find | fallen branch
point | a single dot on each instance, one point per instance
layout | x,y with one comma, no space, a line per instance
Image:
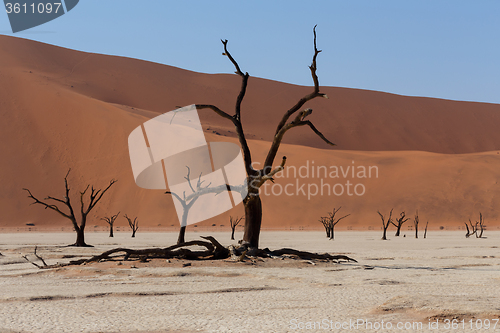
39,258
303,254
213,251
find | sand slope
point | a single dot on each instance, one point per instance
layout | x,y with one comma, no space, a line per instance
62,108
354,119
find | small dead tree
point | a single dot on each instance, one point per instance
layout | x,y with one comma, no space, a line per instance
472,230
94,197
134,225
234,222
110,221
187,202
415,223
475,229
481,225
332,222
467,234
400,221
326,223
385,223
425,231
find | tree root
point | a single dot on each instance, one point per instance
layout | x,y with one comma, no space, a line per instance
79,245
213,251
299,254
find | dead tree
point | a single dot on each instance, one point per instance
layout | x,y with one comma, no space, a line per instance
481,225
425,231
385,223
110,221
134,225
468,233
472,227
415,223
332,222
188,201
326,223
475,229
94,197
256,178
234,222
401,220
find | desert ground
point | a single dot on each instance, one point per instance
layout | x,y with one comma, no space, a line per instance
422,285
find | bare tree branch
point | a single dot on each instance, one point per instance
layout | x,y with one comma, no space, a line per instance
270,175
343,217
189,179
95,199
298,121
55,199
315,130
216,110
53,207
39,258
110,220
308,97
244,81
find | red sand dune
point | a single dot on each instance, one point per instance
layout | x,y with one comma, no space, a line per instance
62,108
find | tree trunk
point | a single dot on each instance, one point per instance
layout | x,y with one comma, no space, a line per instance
110,231
398,231
133,233
384,236
182,233
253,219
232,233
331,233
80,237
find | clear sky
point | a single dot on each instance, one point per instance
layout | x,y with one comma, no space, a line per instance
435,48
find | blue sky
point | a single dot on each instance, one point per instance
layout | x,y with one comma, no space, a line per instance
446,49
